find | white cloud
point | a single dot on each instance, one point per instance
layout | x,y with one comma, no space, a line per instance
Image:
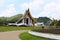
52,9
9,11
34,5
24,6
1,2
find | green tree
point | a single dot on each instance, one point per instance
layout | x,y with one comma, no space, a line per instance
43,19
58,23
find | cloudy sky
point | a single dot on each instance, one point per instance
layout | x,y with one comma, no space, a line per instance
38,8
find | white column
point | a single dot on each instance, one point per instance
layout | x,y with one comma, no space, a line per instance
23,20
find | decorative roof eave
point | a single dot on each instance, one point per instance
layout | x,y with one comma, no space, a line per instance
27,13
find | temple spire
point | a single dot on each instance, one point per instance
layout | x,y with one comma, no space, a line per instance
28,9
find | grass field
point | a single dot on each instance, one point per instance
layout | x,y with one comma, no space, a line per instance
23,36
12,28
27,36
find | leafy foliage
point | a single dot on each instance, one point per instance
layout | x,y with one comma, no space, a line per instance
43,19
14,18
58,23
3,20
6,20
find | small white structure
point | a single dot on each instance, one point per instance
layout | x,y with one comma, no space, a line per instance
11,23
39,24
21,24
26,19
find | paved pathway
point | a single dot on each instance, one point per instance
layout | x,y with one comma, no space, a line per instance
46,35
11,35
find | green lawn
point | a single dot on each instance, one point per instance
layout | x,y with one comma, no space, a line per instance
12,28
27,36
24,36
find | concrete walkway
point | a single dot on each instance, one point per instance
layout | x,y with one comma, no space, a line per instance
11,35
46,35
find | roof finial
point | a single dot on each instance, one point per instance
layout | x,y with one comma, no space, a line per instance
28,9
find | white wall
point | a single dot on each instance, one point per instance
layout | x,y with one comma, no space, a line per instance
29,20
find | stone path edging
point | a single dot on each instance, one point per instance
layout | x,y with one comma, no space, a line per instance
46,35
